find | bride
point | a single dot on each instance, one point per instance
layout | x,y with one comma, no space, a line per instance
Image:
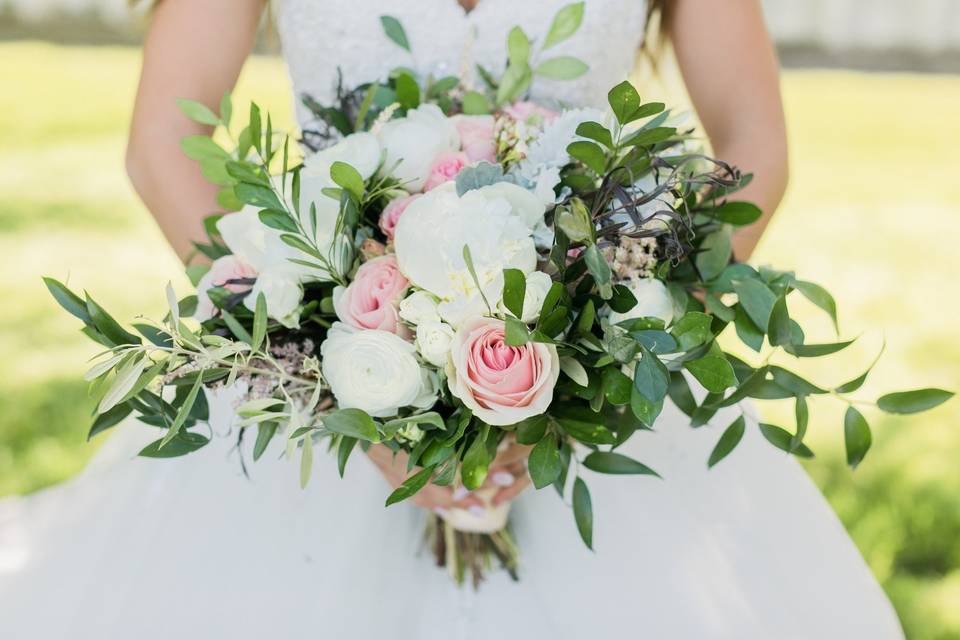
193,549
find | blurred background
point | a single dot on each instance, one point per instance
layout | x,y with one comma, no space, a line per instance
872,95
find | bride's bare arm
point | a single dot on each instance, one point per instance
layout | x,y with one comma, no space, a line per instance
193,49
730,68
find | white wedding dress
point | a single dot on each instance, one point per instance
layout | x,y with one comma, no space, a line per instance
146,549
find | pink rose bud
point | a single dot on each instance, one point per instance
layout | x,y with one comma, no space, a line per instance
445,168
477,137
529,112
371,301
392,212
500,383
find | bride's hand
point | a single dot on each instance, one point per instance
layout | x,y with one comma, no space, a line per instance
508,475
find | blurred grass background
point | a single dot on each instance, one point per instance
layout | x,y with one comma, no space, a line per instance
872,213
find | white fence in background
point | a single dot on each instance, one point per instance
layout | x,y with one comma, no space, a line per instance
921,26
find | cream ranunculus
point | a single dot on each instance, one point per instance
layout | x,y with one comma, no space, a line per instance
375,371
412,144
653,301
433,342
431,236
419,307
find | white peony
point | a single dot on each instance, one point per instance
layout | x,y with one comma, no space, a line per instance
412,143
433,342
525,204
375,371
432,233
653,301
419,307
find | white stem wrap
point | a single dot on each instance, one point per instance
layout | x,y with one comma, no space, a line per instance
493,518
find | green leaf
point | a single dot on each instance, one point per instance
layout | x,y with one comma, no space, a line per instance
650,376
343,452
544,462
109,327
198,112
257,195
565,23
738,213
793,382
226,109
747,331
692,330
185,442
779,329
394,30
514,83
515,332
514,290
256,139
348,178
713,371
259,322
476,461
644,410
816,350
597,265
71,302
204,148
352,422
624,100
802,413
408,91
583,511
265,433
757,300
680,394
280,220
728,441
562,68
616,386
783,439
715,253
182,413
518,46
235,327
647,137
856,436
110,419
306,461
616,463
590,154
856,383
475,104
595,131
820,297
531,430
905,402
585,425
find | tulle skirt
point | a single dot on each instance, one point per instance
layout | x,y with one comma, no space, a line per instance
191,548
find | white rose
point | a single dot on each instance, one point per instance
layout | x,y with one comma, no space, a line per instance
375,371
653,301
419,307
433,342
413,143
432,233
282,292
538,284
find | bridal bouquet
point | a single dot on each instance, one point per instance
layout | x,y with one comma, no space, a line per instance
451,268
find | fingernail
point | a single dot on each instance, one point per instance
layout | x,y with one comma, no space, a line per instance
477,510
502,478
460,493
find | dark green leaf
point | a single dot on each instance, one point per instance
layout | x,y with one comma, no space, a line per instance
728,441
856,436
265,433
595,131
259,322
747,331
802,413
692,330
343,452
514,290
583,511
738,213
67,299
783,439
643,409
714,255
791,381
916,401
650,377
109,327
820,297
544,462
348,178
352,422
590,154
110,419
779,330
531,430
515,332
616,386
257,195
408,91
713,370
616,463
757,300
185,442
680,394
624,101
394,30
477,459
817,350
646,137
410,486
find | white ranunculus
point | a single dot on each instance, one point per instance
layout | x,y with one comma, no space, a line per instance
538,284
412,143
419,307
433,342
432,233
375,371
653,301
281,289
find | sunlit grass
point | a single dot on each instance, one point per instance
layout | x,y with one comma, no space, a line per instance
872,213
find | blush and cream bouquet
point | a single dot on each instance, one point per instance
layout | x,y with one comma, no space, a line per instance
443,270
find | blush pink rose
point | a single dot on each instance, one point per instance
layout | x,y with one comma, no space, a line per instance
445,168
476,137
223,271
371,301
501,384
392,212
529,112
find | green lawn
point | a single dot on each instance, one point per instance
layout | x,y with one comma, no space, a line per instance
871,212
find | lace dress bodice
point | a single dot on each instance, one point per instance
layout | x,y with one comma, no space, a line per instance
318,36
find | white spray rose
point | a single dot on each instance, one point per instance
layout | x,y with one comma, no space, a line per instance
433,342
414,142
653,301
375,371
538,284
282,292
432,233
419,307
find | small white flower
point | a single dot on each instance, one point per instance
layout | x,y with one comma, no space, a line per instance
419,307
375,371
281,289
433,342
412,143
653,301
538,284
